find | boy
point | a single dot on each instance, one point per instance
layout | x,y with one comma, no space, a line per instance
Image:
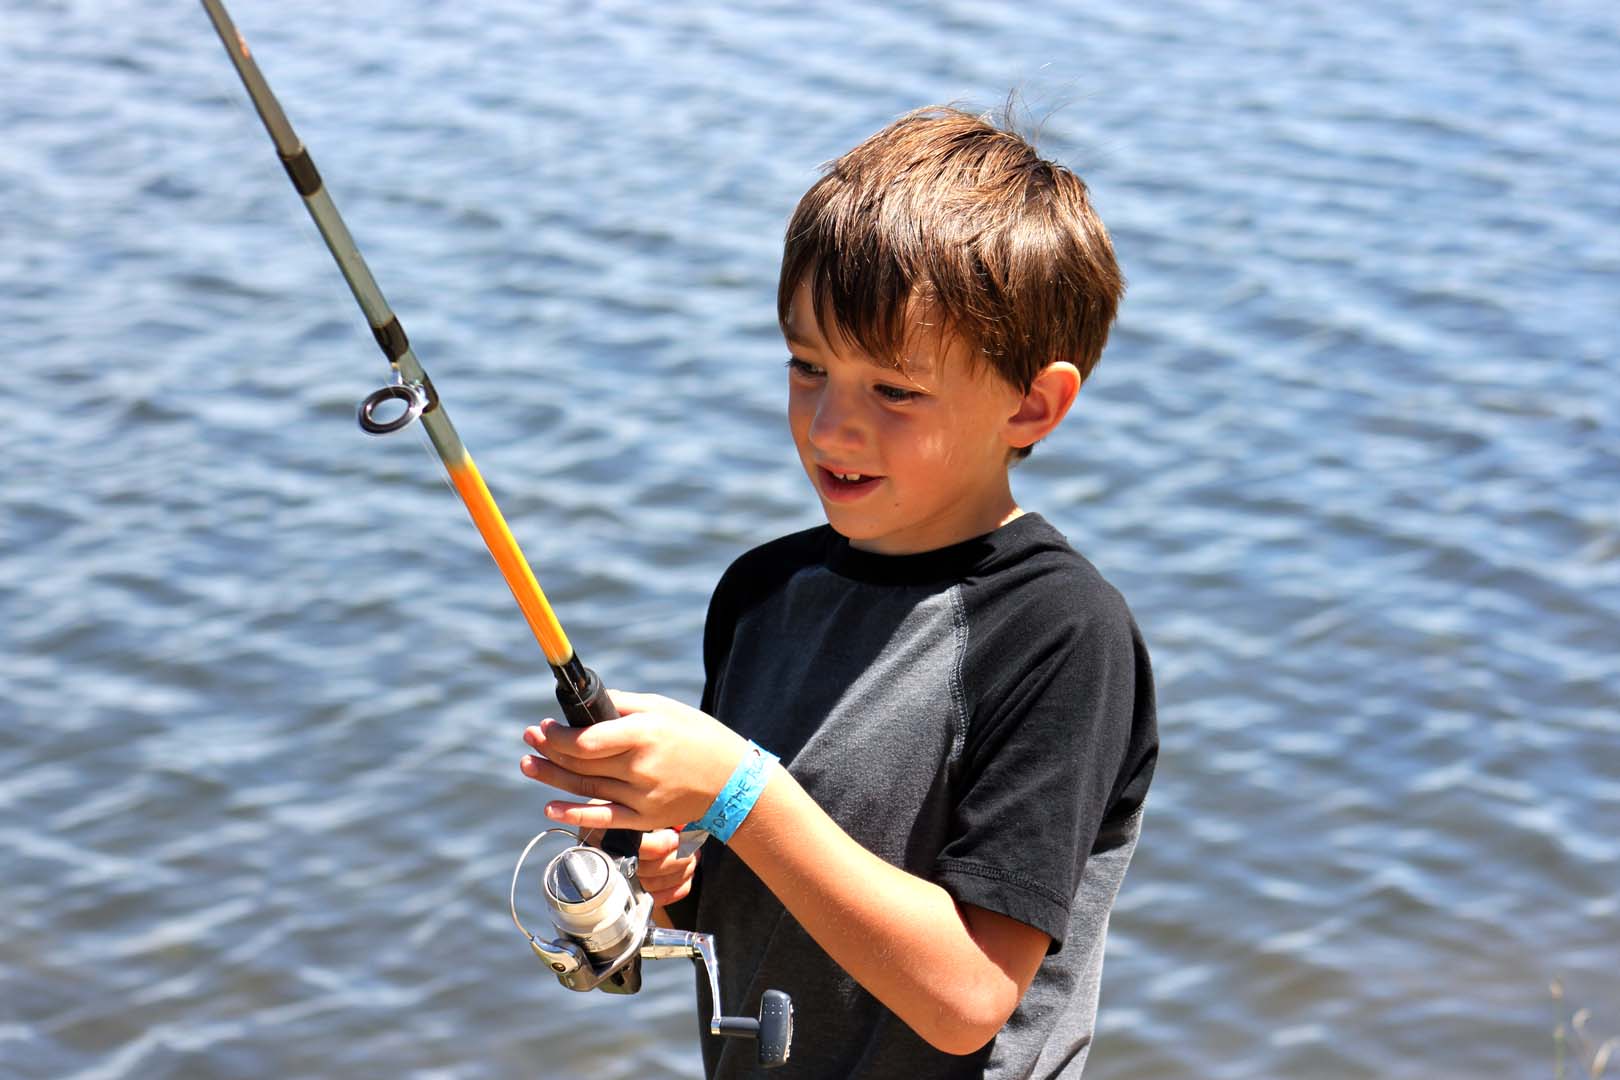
962,707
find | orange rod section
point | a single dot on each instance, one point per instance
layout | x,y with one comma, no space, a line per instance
469,484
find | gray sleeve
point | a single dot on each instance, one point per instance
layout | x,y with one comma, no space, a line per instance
1060,728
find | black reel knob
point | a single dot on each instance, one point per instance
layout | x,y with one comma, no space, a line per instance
773,1029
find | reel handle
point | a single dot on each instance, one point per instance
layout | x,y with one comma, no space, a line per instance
773,1028
584,701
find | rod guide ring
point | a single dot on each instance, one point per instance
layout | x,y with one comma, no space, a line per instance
412,395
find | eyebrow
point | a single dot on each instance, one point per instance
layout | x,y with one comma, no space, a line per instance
911,369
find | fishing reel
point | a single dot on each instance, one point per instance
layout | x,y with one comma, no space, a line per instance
603,919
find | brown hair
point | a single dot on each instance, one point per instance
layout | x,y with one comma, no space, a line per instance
944,218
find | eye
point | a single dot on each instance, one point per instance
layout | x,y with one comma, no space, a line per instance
804,369
896,395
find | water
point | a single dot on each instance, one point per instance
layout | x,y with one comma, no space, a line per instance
1351,455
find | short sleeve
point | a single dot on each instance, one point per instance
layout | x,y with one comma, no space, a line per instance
1059,743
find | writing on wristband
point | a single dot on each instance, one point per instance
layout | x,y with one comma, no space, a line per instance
737,798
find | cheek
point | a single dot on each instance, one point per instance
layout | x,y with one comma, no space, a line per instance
972,430
800,411
931,448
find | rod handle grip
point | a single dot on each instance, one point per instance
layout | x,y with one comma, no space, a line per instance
583,706
587,705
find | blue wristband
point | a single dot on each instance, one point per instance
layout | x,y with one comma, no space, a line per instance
737,798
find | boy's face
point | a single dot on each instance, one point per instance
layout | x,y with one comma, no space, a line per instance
903,461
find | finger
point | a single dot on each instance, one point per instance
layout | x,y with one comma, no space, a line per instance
664,882
562,778
552,737
595,815
665,897
627,702
658,884
667,871
658,845
602,768
559,743
667,868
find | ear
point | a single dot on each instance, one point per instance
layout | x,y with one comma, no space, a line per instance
1049,399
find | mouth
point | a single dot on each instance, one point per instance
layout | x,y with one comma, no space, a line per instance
842,484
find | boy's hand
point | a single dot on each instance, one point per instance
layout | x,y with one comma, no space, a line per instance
666,876
659,765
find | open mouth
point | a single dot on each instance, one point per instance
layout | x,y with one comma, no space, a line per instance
846,483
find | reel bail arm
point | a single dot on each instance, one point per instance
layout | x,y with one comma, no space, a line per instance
603,920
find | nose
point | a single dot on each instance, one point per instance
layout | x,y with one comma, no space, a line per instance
836,424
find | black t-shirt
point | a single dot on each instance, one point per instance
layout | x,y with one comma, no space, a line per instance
981,716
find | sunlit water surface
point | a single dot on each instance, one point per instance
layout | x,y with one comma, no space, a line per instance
1352,456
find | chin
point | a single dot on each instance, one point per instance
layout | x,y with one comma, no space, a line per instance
846,524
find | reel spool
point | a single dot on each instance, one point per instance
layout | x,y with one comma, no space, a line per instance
603,918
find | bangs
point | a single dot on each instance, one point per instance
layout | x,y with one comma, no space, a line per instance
869,302
943,223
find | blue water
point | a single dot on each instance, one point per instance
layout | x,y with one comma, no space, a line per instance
1352,456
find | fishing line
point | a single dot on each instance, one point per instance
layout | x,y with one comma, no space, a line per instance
411,397
602,914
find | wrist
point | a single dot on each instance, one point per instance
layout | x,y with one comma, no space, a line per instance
737,796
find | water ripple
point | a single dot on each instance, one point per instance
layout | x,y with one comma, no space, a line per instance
1347,456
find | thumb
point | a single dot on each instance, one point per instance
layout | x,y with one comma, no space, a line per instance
627,702
658,843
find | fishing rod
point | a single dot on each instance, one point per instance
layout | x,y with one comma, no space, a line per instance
598,906
579,690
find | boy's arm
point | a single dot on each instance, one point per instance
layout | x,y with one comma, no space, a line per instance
953,973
